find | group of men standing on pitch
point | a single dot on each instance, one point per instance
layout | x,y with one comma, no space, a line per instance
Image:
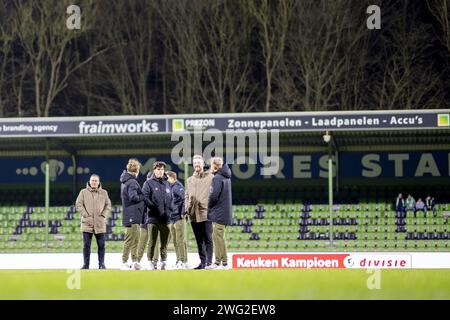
160,210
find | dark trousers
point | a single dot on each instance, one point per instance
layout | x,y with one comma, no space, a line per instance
87,239
203,236
153,230
400,212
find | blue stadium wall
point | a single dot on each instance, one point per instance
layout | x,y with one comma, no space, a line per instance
301,177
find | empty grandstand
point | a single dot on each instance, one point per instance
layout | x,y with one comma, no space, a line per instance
289,211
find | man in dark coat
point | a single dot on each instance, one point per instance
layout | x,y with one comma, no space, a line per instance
400,206
133,212
158,199
220,209
430,205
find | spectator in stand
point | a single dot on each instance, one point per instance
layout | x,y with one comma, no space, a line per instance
420,205
430,205
410,204
400,206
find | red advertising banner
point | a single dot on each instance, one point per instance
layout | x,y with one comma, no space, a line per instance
321,260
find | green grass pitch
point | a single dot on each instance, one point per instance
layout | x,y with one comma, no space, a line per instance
268,284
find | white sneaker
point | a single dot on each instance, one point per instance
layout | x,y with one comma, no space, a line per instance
214,266
163,265
153,266
137,266
125,266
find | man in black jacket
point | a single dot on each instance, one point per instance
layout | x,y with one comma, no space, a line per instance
158,199
177,223
400,206
133,212
430,205
220,209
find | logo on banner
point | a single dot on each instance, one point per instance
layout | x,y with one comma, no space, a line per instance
177,125
349,262
378,261
105,127
443,120
202,124
56,168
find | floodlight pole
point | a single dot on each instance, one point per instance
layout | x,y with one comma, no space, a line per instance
47,191
330,184
47,201
330,191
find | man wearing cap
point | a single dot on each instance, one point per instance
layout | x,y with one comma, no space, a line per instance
158,199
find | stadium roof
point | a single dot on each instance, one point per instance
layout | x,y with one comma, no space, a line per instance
299,132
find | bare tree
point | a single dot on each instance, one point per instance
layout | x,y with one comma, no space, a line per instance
410,77
6,56
46,42
323,46
273,18
181,63
129,27
211,46
441,11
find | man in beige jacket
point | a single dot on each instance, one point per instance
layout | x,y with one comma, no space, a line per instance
94,206
196,204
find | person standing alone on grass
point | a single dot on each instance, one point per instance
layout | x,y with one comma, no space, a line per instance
196,205
220,209
177,223
133,212
94,206
158,199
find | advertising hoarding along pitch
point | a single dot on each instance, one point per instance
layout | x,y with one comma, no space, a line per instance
285,122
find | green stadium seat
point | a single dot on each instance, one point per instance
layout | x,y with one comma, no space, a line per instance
278,231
